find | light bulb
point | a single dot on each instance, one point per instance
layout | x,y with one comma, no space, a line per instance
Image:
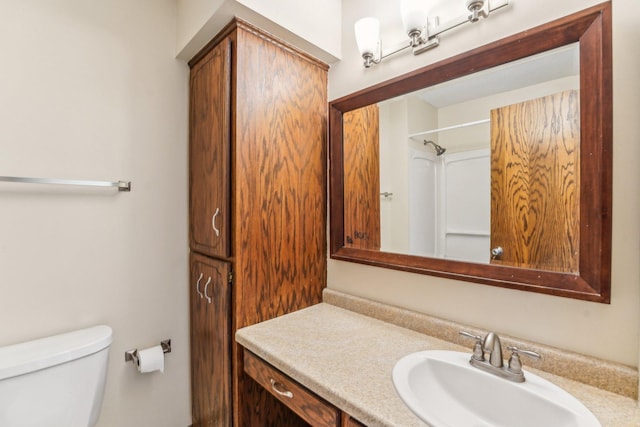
367,35
414,16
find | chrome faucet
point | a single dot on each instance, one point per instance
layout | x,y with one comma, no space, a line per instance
492,347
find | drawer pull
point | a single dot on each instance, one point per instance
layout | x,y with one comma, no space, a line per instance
206,285
213,222
280,389
198,285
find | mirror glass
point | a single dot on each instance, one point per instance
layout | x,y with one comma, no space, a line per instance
435,162
493,166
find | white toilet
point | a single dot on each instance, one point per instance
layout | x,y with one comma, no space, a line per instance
56,381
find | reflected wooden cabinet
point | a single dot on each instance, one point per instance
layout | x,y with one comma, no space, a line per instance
535,183
362,178
258,125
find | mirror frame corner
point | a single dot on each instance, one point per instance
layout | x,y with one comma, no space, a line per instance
591,28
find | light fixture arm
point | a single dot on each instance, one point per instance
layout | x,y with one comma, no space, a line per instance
428,37
395,49
377,57
477,8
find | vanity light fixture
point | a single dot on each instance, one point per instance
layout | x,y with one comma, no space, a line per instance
423,32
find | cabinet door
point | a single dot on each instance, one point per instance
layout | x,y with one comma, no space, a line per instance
209,148
209,297
362,178
535,183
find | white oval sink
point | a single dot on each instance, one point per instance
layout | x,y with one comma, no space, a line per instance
444,390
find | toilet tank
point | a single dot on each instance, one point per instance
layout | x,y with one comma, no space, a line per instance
57,381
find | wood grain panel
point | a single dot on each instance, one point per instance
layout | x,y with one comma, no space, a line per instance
279,180
258,147
209,148
349,421
279,197
535,182
262,409
306,404
361,150
210,326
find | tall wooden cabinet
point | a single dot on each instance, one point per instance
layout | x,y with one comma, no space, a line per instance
257,180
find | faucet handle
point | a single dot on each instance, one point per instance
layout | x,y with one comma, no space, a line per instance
515,364
478,352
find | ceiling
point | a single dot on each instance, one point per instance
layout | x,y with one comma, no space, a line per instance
546,66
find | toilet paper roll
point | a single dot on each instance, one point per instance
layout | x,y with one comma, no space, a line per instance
151,359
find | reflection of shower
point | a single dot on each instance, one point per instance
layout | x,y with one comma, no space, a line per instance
439,149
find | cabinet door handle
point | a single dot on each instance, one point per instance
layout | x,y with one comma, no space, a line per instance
206,285
496,252
213,222
198,285
280,389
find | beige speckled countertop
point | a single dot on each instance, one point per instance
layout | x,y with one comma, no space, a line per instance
347,358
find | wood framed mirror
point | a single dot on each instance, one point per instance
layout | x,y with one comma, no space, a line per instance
576,215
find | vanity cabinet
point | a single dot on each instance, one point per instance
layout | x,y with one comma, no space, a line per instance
349,421
303,402
311,408
257,177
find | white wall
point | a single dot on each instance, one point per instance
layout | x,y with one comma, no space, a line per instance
317,22
394,155
313,28
400,117
192,16
607,331
91,90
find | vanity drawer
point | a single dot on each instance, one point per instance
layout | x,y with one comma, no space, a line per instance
307,405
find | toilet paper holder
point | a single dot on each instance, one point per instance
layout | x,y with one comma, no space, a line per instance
132,355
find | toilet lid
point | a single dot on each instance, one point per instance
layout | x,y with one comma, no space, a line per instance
30,356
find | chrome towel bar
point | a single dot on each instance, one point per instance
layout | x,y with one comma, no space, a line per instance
121,185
